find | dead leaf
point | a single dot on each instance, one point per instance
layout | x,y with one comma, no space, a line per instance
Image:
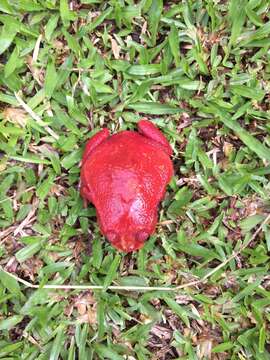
145,319
12,265
86,307
204,349
16,116
92,316
3,162
143,32
144,28
161,332
68,310
31,267
227,148
38,73
81,308
115,49
89,317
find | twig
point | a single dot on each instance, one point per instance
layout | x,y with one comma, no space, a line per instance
35,116
143,288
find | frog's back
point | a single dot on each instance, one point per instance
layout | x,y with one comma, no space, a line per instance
125,177
128,151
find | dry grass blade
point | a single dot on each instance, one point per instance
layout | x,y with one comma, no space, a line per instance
35,116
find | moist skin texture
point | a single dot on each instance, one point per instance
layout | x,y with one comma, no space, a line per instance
125,176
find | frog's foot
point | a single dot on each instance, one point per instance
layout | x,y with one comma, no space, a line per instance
149,130
86,195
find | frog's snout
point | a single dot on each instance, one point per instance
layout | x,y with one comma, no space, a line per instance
128,242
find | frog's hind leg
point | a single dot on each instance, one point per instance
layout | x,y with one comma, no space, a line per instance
94,141
86,195
149,130
91,144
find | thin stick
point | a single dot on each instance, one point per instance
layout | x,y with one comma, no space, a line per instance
143,288
35,116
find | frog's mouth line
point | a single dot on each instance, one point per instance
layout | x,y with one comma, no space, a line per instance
129,241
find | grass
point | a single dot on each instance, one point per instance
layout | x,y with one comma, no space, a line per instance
200,71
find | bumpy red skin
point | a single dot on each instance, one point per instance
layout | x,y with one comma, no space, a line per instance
125,177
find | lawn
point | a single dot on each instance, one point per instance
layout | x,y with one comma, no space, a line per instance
200,287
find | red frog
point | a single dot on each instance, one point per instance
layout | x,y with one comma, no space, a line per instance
125,177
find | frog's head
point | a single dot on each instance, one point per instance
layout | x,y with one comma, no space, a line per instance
128,224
